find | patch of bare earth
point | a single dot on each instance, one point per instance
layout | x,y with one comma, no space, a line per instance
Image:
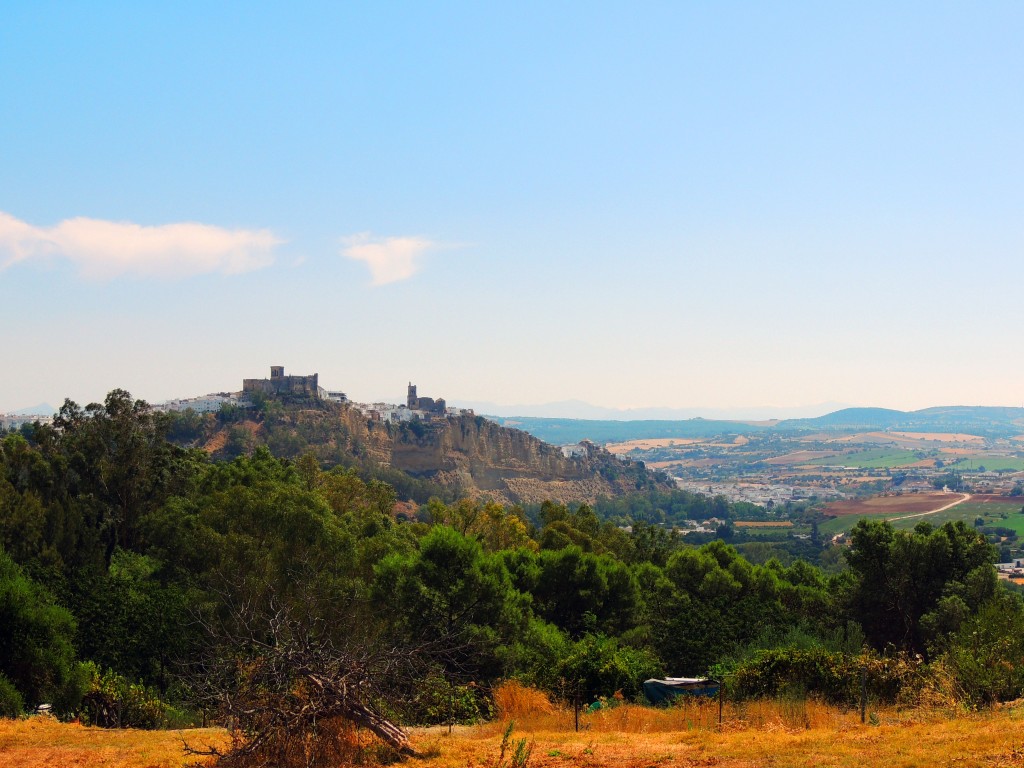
799,457
648,444
891,505
217,442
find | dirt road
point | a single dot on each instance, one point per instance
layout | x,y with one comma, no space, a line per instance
964,497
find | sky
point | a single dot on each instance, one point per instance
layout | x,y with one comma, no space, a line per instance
643,204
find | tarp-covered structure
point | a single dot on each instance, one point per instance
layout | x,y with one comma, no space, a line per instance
665,690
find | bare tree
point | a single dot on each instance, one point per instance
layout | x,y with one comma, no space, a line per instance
279,678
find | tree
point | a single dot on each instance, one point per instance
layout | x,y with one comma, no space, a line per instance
452,591
582,592
985,652
283,674
118,456
36,652
909,587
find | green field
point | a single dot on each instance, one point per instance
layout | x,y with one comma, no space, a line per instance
990,463
967,512
1015,521
991,511
776,534
875,458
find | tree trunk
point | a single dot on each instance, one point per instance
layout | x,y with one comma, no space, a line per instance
360,714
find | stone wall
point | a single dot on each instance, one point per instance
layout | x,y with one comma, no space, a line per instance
284,386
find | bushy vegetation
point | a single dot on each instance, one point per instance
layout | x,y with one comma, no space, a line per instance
134,573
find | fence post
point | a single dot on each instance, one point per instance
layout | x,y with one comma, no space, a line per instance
721,700
576,707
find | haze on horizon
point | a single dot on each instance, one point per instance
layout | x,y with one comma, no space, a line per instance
652,205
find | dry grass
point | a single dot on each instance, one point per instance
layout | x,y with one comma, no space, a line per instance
782,734
649,443
940,437
515,701
43,742
779,734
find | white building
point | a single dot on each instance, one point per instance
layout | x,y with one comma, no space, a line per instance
211,403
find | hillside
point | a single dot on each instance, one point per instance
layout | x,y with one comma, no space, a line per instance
467,454
561,431
976,420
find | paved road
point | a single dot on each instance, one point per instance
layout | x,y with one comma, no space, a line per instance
961,500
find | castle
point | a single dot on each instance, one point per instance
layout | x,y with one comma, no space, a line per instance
286,386
427,404
308,388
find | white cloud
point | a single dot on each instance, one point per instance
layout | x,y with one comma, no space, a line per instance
105,249
390,259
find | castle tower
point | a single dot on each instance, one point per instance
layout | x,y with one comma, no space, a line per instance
411,399
277,371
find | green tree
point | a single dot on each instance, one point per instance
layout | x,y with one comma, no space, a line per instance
452,591
582,592
909,587
986,650
36,652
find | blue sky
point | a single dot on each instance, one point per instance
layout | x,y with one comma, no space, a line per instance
644,204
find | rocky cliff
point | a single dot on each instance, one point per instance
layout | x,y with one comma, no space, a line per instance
477,456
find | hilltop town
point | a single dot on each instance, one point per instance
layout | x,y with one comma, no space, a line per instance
298,388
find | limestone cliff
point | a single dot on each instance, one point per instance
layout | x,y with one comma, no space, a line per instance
479,457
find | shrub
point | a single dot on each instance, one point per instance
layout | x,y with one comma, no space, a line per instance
36,651
112,701
437,701
599,666
11,704
836,677
984,655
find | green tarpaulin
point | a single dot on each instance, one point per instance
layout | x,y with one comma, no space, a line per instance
665,690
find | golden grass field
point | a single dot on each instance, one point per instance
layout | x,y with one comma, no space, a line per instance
771,733
647,444
43,742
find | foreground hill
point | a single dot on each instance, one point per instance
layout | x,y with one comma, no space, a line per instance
467,454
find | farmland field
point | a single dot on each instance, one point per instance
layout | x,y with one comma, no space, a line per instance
992,507
800,457
888,507
875,458
891,506
990,463
648,444
966,512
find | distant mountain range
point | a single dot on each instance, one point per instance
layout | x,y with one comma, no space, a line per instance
43,409
971,419
986,421
578,409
